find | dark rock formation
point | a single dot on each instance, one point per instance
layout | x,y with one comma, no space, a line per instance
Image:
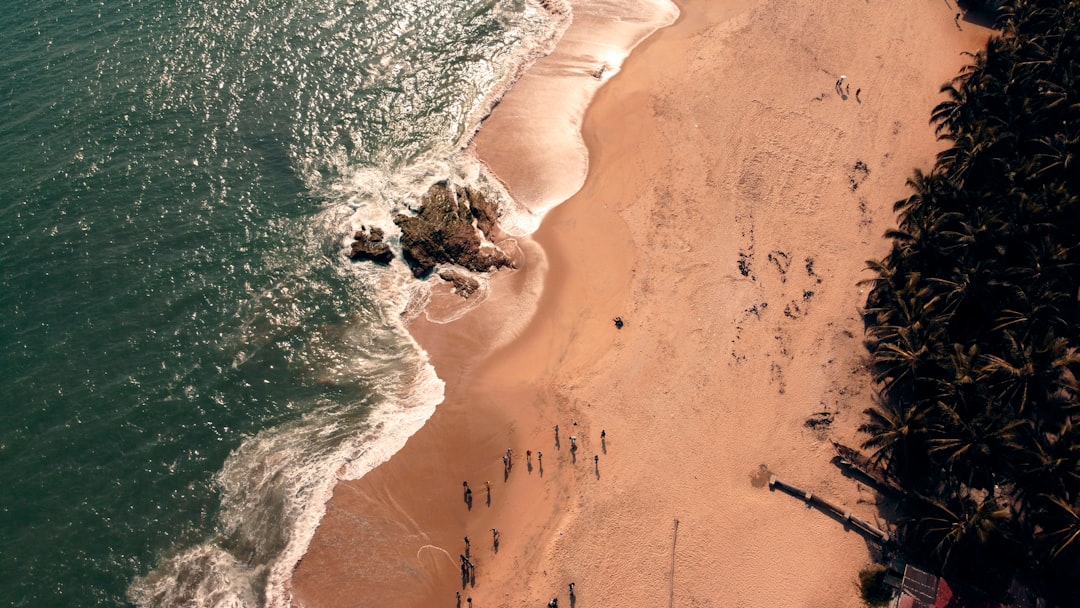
464,285
442,231
369,245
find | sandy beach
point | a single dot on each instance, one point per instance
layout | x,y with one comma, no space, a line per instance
733,195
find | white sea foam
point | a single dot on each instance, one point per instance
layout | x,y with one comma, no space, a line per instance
275,488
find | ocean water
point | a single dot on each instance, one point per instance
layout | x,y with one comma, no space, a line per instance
187,358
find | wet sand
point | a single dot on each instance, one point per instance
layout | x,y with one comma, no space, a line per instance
732,197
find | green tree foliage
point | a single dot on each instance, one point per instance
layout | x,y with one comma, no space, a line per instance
973,317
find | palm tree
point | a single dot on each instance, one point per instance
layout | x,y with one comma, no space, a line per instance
1049,464
976,450
959,525
1061,527
897,435
1033,372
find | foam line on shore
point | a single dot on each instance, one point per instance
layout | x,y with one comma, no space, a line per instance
533,144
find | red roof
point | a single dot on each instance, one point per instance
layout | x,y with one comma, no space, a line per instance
947,597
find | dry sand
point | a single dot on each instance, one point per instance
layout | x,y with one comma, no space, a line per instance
731,200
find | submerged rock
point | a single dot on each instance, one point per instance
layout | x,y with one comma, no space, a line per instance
464,285
369,245
442,232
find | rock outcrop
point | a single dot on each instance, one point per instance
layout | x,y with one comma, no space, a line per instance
464,285
369,245
443,232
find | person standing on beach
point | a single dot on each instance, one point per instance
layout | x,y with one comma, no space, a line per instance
466,546
510,456
457,594
571,590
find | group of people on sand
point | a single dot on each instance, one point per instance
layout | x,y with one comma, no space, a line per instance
844,90
468,568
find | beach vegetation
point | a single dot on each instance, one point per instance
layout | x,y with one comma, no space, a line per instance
973,318
872,588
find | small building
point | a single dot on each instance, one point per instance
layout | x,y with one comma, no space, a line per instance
918,588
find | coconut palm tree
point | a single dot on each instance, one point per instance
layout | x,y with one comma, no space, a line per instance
1061,527
959,525
1049,464
976,450
1029,372
897,436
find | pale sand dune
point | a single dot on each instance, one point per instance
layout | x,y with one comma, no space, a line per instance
721,141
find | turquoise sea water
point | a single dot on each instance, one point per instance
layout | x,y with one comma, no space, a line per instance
186,356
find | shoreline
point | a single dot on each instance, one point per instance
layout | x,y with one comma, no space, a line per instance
716,370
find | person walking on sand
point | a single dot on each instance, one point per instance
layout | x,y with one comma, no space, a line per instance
571,590
596,459
466,546
857,91
528,455
510,456
457,594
